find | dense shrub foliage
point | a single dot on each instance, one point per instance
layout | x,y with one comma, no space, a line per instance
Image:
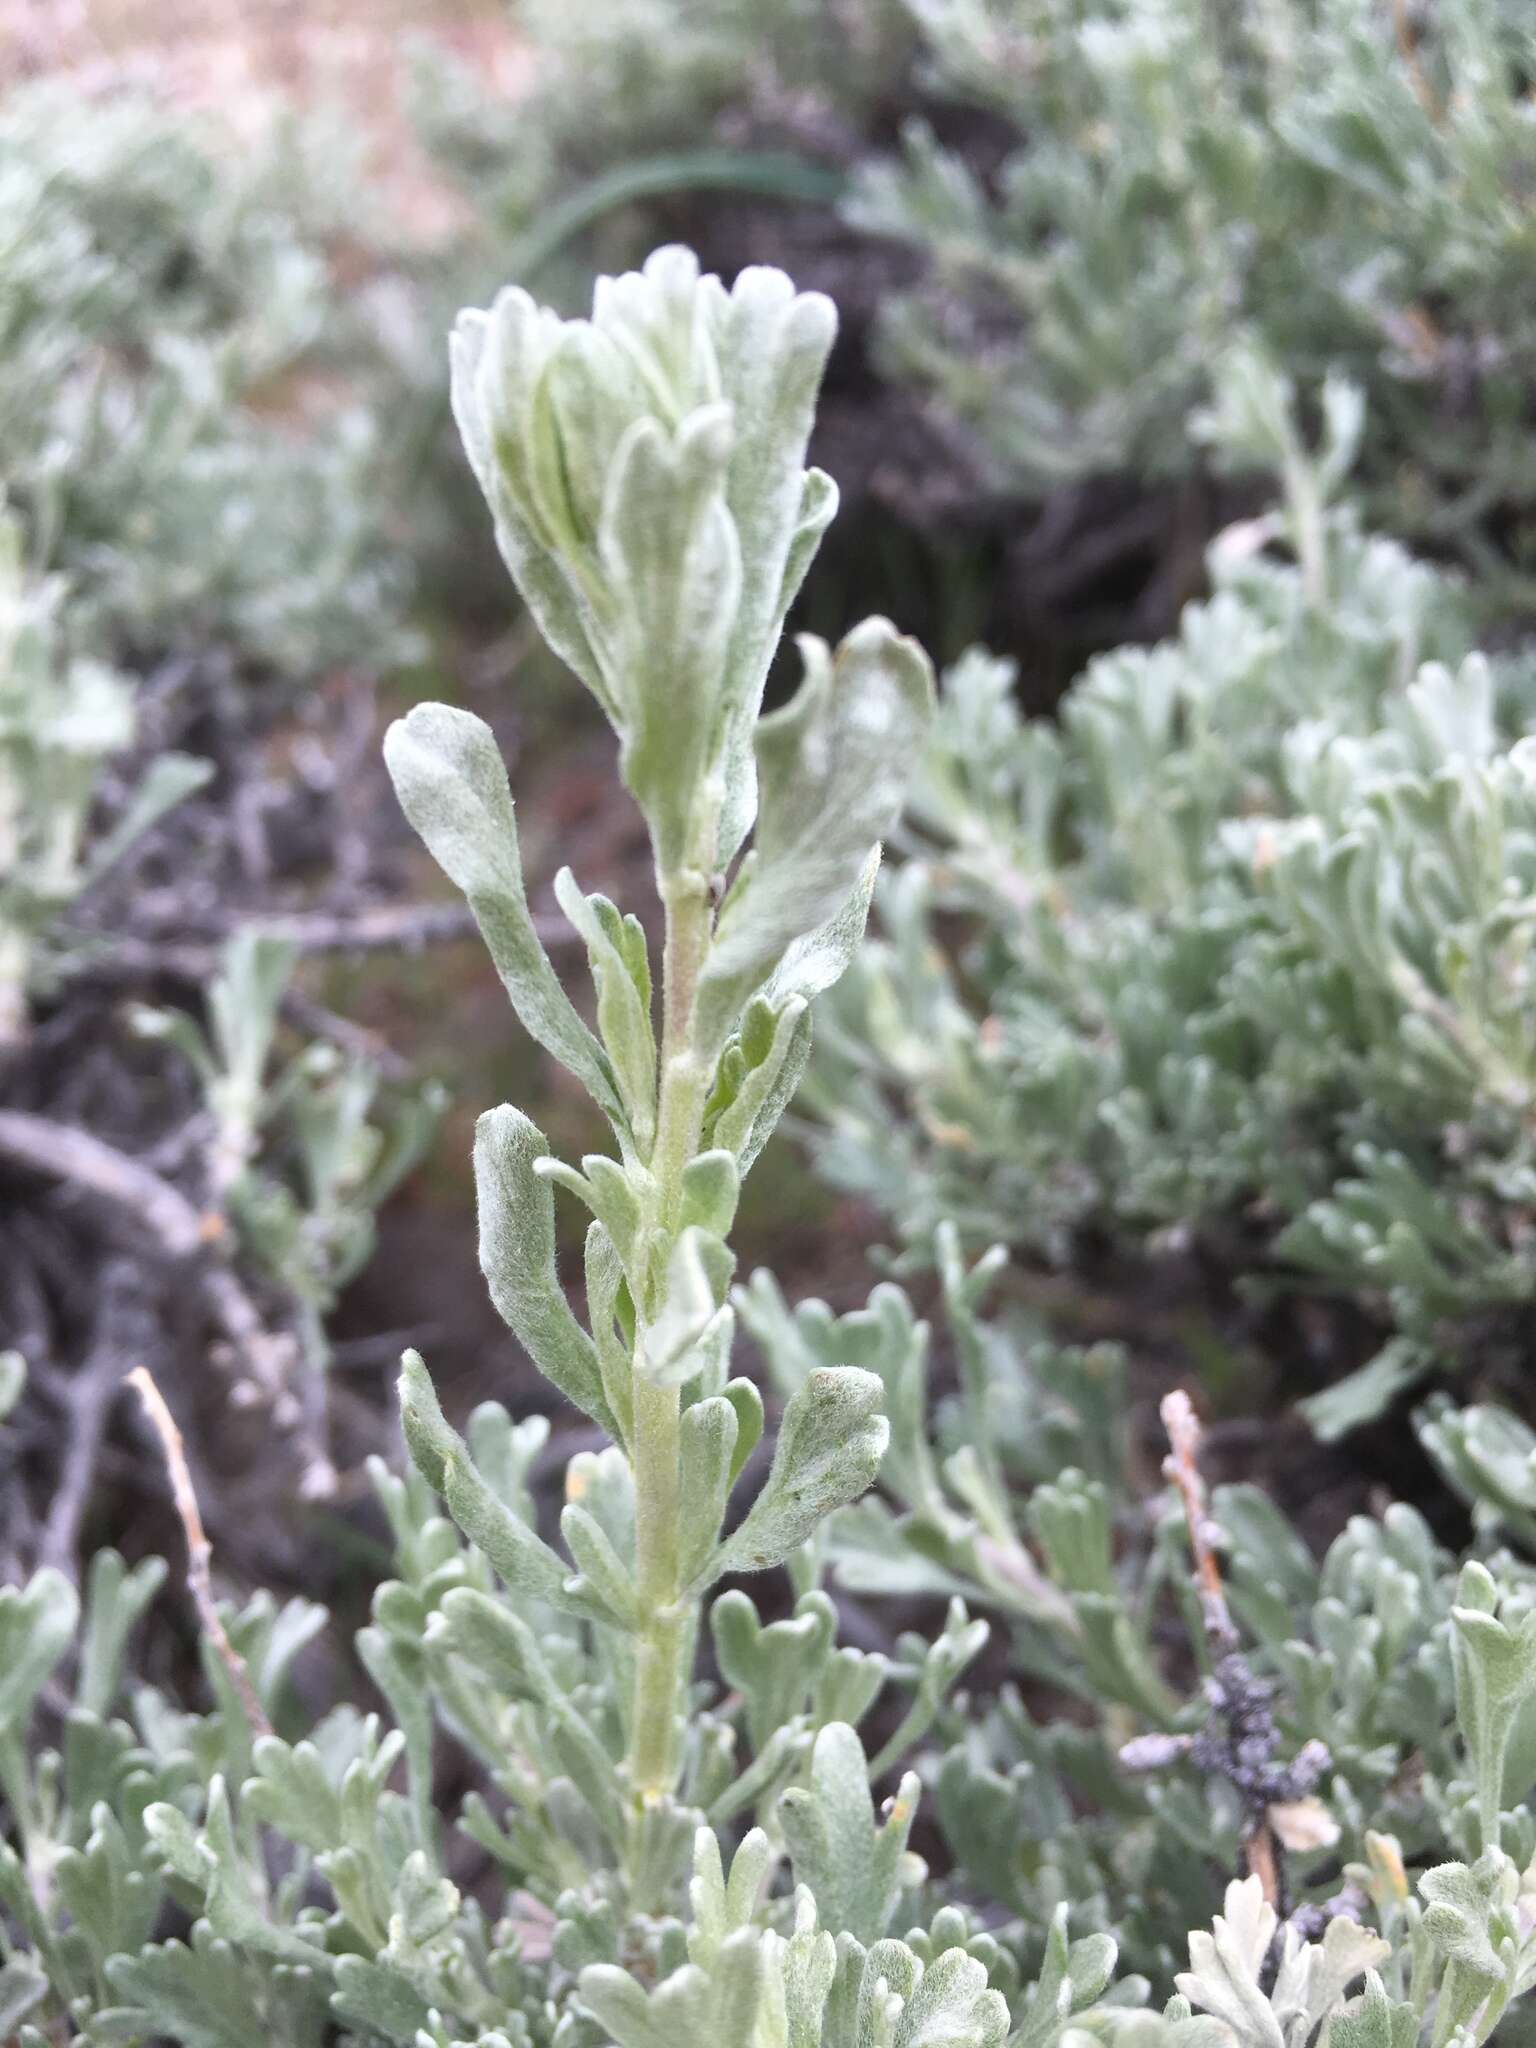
1250,940
1061,213
176,421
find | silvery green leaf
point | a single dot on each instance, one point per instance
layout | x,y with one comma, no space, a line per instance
775,1669
758,1074
517,1257
599,1563
833,768
671,558
212,1860
607,1191
606,1286
486,1632
851,1864
692,1309
1370,1390
37,1625
621,976
711,1186
830,1444
723,1907
379,1998
1494,1661
773,344
1458,1903
1323,1971
499,361
951,2006
22,1987
644,471
202,1996
692,2008
959,1643
1375,2021
1073,1974
116,1598
748,1403
1226,1965
706,1465
452,785
442,1457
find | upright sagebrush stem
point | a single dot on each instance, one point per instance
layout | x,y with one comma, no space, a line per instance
664,1633
646,471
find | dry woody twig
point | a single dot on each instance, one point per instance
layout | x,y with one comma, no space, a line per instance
199,1549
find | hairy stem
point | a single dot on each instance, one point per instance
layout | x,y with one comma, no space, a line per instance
684,1084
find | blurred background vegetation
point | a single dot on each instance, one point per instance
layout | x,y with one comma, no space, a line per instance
241,536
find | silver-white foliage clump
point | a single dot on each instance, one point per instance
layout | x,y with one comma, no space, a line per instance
63,717
1255,933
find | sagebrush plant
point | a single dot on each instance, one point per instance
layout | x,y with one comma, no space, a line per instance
186,420
614,1873
1249,959
62,717
1348,182
1068,207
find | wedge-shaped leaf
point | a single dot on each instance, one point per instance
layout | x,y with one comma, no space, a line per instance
723,1907
829,1449
693,2008
832,771
1375,2021
112,1899
1458,1903
486,1632
380,1999
205,1996
943,1660
1073,1974
851,1865
452,785
775,1669
517,1257
442,1457
1314,1977
952,2007
212,1860
115,1601
1226,1967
